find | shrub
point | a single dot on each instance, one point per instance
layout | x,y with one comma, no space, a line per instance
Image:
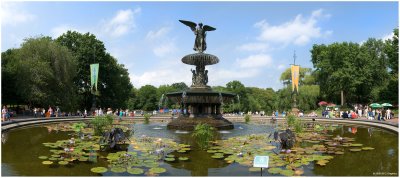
291,119
203,133
101,123
298,126
247,118
147,118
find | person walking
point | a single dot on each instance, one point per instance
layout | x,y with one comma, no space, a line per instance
35,112
120,113
85,114
379,114
4,114
388,114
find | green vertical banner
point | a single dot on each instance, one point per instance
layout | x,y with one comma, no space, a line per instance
94,76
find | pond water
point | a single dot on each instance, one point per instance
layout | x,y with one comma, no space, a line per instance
22,147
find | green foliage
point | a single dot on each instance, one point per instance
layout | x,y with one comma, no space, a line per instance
113,82
203,133
146,118
290,120
359,71
40,73
147,98
247,118
101,124
318,128
77,127
298,125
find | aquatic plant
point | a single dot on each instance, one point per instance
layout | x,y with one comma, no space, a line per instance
290,120
247,118
101,123
203,133
298,126
78,127
318,128
146,118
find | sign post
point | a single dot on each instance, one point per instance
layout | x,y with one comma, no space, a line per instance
261,162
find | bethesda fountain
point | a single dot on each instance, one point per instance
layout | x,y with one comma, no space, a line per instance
200,104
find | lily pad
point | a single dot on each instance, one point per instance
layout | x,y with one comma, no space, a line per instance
47,162
339,152
356,144
55,156
355,149
118,169
287,172
42,157
53,159
181,151
298,172
63,162
157,170
170,156
367,148
254,169
322,162
274,170
211,151
169,159
135,171
183,158
99,169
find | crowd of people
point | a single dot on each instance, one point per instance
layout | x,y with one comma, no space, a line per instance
358,111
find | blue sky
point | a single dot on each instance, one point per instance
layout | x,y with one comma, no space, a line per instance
254,40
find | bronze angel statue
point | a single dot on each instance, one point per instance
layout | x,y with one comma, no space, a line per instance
200,44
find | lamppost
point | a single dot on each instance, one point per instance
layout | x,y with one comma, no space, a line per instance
295,71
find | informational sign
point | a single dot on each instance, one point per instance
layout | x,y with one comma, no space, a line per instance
295,77
261,161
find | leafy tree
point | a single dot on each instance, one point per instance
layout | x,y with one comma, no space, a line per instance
8,77
147,98
180,86
43,73
354,71
239,89
113,82
390,92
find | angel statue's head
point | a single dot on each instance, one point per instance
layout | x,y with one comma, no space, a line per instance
201,24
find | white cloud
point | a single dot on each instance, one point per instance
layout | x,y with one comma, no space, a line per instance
162,76
254,61
13,14
154,35
122,23
262,47
298,31
161,43
281,66
59,30
165,49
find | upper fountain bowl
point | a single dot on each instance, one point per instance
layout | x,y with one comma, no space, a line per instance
200,59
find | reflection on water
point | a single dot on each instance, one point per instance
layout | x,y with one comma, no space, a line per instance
21,148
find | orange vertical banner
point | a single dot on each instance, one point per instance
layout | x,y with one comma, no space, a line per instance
295,77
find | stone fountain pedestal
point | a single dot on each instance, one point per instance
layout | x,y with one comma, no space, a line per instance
200,104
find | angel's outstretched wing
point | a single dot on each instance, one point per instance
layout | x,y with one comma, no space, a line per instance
208,28
190,24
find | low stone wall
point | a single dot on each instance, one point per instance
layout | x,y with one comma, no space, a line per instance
32,121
